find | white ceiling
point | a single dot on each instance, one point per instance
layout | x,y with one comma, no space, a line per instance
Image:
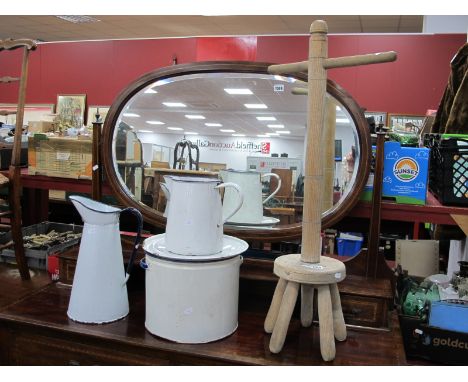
51,28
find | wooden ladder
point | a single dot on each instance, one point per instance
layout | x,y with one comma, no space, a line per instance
14,172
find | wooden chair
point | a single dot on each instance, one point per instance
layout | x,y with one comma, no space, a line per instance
14,172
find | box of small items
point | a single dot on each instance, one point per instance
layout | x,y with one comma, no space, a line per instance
41,241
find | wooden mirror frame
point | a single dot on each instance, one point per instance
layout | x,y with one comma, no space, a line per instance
284,232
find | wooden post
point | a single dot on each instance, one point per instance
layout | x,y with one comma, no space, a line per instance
313,174
96,178
16,154
374,232
15,175
329,153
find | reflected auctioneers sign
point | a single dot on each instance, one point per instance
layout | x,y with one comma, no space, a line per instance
240,146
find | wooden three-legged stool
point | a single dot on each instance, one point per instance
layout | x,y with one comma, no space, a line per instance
293,273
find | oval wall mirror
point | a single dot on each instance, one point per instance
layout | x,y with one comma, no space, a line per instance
206,118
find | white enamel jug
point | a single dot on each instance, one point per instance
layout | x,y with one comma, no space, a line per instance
250,182
194,215
99,291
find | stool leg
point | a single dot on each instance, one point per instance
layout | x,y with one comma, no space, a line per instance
284,317
272,314
327,341
339,326
307,304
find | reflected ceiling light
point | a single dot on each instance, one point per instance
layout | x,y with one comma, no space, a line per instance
227,131
144,131
338,108
238,135
213,124
255,106
163,82
191,133
192,116
238,91
262,136
266,118
150,91
272,134
155,122
175,128
174,104
276,126
131,115
342,120
286,79
284,132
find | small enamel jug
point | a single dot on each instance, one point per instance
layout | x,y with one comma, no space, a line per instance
195,214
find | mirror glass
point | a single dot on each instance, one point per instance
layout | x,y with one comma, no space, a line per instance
204,124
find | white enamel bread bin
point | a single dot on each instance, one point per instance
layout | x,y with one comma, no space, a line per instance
192,302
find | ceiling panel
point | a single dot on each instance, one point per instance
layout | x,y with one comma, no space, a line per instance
51,28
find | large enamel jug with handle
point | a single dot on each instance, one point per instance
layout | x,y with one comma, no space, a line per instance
195,215
99,291
250,182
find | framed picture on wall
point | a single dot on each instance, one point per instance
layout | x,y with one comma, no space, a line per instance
92,110
71,109
405,121
32,112
379,116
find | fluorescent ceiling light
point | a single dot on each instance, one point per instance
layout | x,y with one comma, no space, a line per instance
131,115
155,122
238,91
191,133
284,132
262,136
175,128
76,19
227,131
213,124
342,120
191,116
144,131
238,135
150,91
174,104
255,106
276,126
266,118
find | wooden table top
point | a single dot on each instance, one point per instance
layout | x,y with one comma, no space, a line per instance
46,310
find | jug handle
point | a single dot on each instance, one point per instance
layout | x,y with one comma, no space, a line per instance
277,188
166,191
137,239
239,193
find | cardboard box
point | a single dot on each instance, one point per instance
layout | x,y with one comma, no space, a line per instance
66,157
40,126
405,174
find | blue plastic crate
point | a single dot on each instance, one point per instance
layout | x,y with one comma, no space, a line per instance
349,247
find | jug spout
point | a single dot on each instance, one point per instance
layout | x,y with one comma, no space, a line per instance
93,212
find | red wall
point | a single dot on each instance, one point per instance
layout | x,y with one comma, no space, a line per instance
101,69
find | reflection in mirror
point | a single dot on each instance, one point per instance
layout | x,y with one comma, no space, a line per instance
207,123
